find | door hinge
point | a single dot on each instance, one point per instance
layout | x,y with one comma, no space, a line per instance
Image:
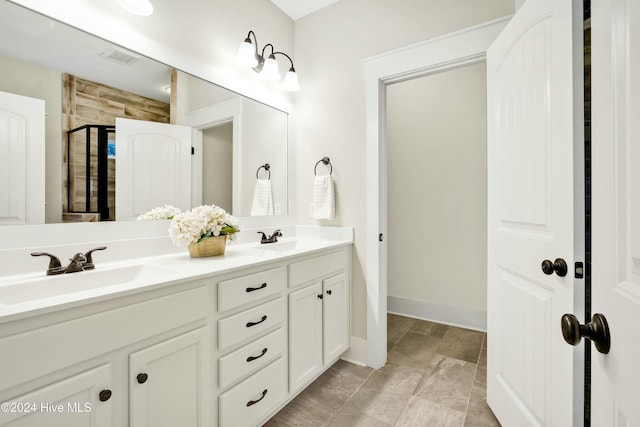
193,151
579,270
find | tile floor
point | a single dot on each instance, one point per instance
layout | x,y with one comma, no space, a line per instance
435,376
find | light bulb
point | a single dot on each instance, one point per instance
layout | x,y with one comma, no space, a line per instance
246,54
270,69
290,82
137,7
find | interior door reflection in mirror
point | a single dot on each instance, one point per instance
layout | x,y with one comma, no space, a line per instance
87,83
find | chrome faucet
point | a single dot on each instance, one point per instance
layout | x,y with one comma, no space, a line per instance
79,262
271,239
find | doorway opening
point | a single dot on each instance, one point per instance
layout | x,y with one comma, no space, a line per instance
450,51
436,178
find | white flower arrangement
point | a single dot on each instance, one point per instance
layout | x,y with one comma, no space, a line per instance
161,212
199,223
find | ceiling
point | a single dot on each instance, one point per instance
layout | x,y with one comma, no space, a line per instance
34,38
296,9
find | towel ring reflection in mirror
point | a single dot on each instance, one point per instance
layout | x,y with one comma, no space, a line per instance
325,161
267,168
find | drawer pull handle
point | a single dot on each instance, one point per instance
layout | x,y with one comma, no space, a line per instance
142,378
104,395
253,402
252,358
250,324
264,285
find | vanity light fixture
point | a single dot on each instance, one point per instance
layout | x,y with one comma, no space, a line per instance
267,68
137,7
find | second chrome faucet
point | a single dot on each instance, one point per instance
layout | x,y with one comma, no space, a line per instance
79,262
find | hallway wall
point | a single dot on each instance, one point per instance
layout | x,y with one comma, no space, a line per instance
437,197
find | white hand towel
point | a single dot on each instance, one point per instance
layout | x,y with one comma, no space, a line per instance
262,198
324,203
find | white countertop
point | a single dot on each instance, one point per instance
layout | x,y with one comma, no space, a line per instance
35,293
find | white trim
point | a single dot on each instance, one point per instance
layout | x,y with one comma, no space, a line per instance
468,318
452,50
357,352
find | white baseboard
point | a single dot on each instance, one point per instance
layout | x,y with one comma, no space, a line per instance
357,353
451,315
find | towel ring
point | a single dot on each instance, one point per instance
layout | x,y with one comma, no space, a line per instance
266,167
325,161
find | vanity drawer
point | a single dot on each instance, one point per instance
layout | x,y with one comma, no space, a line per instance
316,268
249,323
251,357
242,290
252,399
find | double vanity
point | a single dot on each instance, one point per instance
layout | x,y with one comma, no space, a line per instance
169,340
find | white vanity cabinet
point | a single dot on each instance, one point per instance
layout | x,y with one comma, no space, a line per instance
319,316
82,368
226,349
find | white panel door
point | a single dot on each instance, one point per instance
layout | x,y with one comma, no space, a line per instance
616,209
22,161
153,167
531,136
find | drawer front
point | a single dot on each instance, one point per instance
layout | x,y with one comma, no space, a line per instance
74,341
316,268
236,292
249,323
252,399
251,357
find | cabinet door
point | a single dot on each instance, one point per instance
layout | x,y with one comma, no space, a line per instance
305,335
168,382
72,402
336,320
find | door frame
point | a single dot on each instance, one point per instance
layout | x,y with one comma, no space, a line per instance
450,51
208,117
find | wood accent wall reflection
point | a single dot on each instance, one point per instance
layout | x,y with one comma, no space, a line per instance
86,102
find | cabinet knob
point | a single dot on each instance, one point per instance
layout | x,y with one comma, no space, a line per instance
104,395
142,378
329,292
320,296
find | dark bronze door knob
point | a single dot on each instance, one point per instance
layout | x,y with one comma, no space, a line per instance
559,266
597,331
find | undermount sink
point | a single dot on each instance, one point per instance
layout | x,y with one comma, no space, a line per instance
65,284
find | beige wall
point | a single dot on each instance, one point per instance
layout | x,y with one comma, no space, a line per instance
330,118
217,168
437,170
26,79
